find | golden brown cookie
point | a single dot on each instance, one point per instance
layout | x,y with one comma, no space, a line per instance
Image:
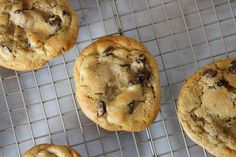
35,31
207,107
117,84
50,150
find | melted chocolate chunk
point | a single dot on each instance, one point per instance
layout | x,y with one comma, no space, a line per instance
55,21
144,75
233,62
131,107
232,68
124,65
107,51
140,77
224,83
210,73
221,83
101,108
65,13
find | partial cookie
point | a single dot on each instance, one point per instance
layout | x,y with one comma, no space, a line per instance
117,84
50,150
35,31
207,107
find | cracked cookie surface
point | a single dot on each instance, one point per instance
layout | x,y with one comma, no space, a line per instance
35,31
207,107
117,84
50,150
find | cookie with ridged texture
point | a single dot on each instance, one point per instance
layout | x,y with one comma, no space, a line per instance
33,32
50,150
117,84
207,107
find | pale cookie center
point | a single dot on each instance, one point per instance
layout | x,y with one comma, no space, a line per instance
54,151
218,106
123,103
119,77
219,96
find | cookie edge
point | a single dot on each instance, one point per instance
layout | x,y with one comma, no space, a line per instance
35,149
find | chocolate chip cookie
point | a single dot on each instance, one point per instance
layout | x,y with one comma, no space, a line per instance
207,107
50,150
35,31
117,84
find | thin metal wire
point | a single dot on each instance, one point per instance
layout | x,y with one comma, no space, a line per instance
1,151
203,28
166,3
185,143
9,114
189,38
42,106
151,142
218,23
116,13
232,13
58,105
25,107
119,144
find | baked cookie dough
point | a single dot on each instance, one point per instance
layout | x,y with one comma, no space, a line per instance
117,84
35,31
50,150
207,107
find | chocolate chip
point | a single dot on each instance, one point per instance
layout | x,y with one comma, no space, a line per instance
141,58
233,62
107,51
124,65
134,81
65,13
6,47
210,73
18,11
232,68
140,77
29,46
222,83
144,75
226,84
55,21
101,108
131,107
211,87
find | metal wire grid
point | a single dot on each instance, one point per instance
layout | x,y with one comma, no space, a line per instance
39,106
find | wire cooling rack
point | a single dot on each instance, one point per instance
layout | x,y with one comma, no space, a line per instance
40,107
